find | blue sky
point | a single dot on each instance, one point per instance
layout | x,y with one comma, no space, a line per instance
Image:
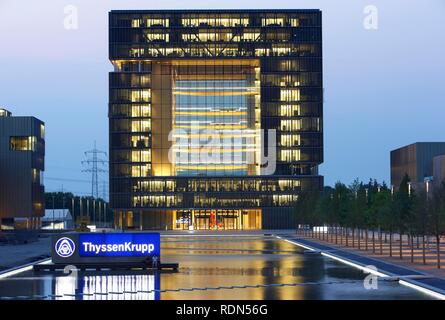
383,88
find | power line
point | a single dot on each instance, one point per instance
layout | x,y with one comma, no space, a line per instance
67,179
72,180
94,162
68,190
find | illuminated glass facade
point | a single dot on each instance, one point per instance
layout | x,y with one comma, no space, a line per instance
196,98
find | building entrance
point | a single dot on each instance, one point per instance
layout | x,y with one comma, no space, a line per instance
222,219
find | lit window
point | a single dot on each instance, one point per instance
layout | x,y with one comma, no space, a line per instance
141,156
272,21
290,95
157,22
290,110
23,143
42,131
294,22
140,95
290,125
140,126
290,140
135,23
290,155
140,171
35,175
140,111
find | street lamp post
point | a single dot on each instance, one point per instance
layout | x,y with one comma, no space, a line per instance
427,188
53,212
72,210
88,209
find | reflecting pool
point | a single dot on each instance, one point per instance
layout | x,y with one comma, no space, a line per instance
214,267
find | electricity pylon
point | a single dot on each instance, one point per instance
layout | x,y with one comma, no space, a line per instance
95,164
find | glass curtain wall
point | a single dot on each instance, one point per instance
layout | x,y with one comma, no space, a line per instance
216,111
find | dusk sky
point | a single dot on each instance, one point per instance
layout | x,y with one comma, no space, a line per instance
384,88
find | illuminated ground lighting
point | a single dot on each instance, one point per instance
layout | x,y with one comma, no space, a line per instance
210,235
296,244
352,264
422,289
18,270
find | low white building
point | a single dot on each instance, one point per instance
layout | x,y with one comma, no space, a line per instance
57,219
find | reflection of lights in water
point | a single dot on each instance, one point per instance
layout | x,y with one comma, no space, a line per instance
65,285
99,287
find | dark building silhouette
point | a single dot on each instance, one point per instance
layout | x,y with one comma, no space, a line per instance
415,160
190,92
22,152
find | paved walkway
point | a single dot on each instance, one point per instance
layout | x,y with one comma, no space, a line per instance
15,255
405,273
383,252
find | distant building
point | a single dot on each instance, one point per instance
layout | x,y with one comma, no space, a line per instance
416,160
22,152
57,219
439,169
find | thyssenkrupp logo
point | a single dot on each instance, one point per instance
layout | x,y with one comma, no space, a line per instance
65,247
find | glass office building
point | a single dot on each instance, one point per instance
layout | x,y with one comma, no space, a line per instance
215,117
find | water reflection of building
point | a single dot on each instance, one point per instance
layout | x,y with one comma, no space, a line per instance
108,287
189,94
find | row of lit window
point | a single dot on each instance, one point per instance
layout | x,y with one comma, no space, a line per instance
277,200
311,124
286,125
204,201
132,155
131,95
214,22
215,50
218,186
140,126
127,125
131,110
290,140
289,95
140,141
244,37
157,201
141,170
137,23
289,110
290,155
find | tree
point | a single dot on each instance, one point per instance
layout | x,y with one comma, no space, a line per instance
437,216
378,199
420,219
78,206
382,206
403,208
341,207
305,209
